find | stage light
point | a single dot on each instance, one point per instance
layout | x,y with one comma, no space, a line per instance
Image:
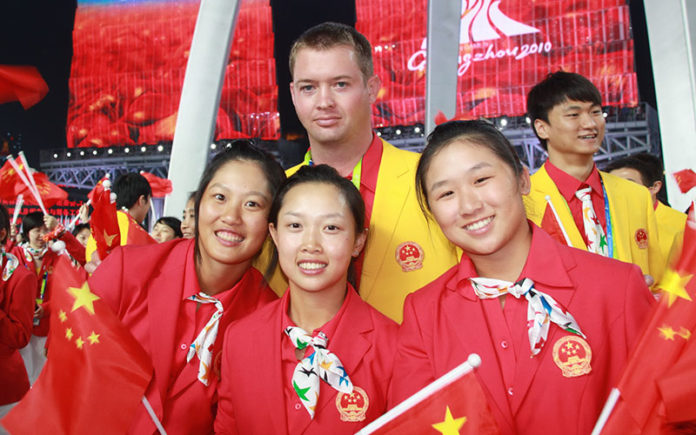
160,148
82,153
94,152
126,150
213,146
605,114
528,120
143,149
69,154
110,151
379,133
503,122
55,156
398,132
417,130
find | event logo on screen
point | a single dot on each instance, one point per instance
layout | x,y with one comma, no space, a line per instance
481,21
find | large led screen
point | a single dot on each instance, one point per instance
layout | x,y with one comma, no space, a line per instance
130,58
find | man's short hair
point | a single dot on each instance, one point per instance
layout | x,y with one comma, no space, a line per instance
129,187
329,35
649,167
555,89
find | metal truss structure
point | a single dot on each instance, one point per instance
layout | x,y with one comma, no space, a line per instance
628,131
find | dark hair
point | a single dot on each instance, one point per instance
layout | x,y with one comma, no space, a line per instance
31,221
481,133
649,166
329,35
4,224
129,187
555,89
240,150
323,174
173,223
80,227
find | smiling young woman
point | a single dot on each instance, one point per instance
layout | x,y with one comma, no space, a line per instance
323,356
553,325
177,298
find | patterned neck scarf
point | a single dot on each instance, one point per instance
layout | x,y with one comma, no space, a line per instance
319,364
596,239
202,346
541,308
32,253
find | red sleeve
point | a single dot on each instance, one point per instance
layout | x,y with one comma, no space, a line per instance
107,280
17,309
74,247
412,367
224,419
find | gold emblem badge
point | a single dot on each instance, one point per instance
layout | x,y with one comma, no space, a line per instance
641,238
352,406
410,256
572,355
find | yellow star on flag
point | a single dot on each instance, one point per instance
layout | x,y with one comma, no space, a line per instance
69,334
108,238
93,338
673,284
62,316
83,298
451,425
667,332
79,342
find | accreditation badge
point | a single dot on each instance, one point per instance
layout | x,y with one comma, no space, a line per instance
352,406
572,355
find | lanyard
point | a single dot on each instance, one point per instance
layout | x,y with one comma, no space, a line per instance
607,214
357,170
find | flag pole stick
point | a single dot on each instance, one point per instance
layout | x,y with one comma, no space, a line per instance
154,418
26,182
606,411
560,224
74,220
30,176
17,208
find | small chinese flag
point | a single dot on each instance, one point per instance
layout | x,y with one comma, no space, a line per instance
550,224
160,186
104,222
21,83
99,187
686,179
96,373
10,183
657,392
49,192
453,404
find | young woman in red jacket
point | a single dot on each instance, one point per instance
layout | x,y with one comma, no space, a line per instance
177,298
553,325
17,287
319,359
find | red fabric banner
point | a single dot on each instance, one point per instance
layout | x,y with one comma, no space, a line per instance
104,222
657,387
453,404
96,372
21,83
686,179
160,186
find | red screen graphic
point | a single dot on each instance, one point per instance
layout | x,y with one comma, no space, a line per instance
130,58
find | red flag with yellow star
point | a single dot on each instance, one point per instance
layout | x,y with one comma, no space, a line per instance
96,373
657,391
454,404
104,221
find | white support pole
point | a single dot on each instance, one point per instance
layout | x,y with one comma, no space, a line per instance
672,34
200,98
443,52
